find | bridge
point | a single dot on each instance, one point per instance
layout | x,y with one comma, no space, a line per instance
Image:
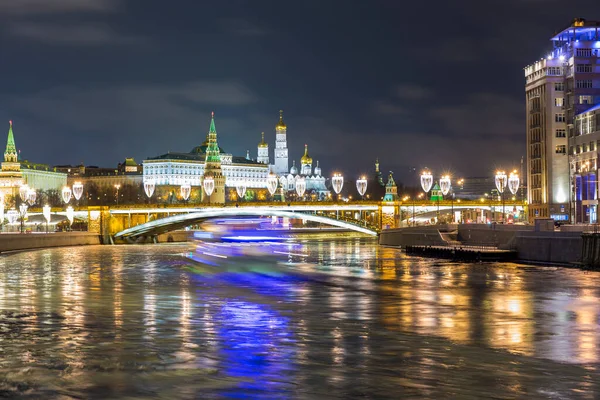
369,217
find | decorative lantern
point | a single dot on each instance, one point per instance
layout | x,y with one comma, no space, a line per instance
361,185
186,190
31,196
66,194
77,190
445,184
149,186
337,181
513,182
70,214
47,210
426,181
272,183
240,188
300,186
23,192
209,185
500,179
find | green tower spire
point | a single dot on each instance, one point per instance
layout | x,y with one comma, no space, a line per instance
213,155
10,155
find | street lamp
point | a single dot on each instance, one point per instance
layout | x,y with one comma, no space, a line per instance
23,214
272,182
23,192
70,216
337,181
47,214
445,187
361,186
117,186
513,183
12,215
66,194
300,186
500,179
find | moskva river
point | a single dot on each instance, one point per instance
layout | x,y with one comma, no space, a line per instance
316,319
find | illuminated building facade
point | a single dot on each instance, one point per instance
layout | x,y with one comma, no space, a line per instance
558,87
179,168
281,165
583,159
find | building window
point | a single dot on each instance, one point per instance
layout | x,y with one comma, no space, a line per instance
584,84
583,68
586,99
584,52
559,86
562,149
559,101
559,117
592,146
554,71
560,133
572,150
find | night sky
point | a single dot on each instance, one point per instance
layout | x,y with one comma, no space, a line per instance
427,83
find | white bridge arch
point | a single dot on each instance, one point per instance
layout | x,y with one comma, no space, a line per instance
179,221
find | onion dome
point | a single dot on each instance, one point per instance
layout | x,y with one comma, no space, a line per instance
306,160
318,169
262,143
280,125
294,169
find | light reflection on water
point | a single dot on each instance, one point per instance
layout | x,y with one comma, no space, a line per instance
351,319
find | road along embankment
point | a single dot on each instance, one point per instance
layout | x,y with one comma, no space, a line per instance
29,241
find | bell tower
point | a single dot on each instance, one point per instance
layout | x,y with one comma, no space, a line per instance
212,165
281,150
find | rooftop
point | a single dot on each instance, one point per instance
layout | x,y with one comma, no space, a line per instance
579,29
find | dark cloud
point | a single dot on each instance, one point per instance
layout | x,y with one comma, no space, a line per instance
40,7
75,35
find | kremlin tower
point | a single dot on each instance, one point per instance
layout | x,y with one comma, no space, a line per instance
212,165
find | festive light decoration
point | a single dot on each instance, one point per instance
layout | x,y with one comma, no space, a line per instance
272,182
513,182
70,214
337,181
361,185
209,185
186,190
240,188
12,215
445,184
23,192
66,194
426,181
149,186
500,179
47,210
23,210
300,186
1,208
31,196
77,190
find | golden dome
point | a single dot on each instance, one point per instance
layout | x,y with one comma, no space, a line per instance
306,160
280,124
262,143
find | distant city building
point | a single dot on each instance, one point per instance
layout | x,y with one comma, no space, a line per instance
391,190
15,173
126,173
583,159
558,88
281,166
315,182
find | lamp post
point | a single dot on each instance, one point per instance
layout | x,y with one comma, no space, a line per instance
500,179
513,183
445,187
337,182
361,186
117,186
47,214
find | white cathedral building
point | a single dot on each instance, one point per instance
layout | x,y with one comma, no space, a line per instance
179,168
